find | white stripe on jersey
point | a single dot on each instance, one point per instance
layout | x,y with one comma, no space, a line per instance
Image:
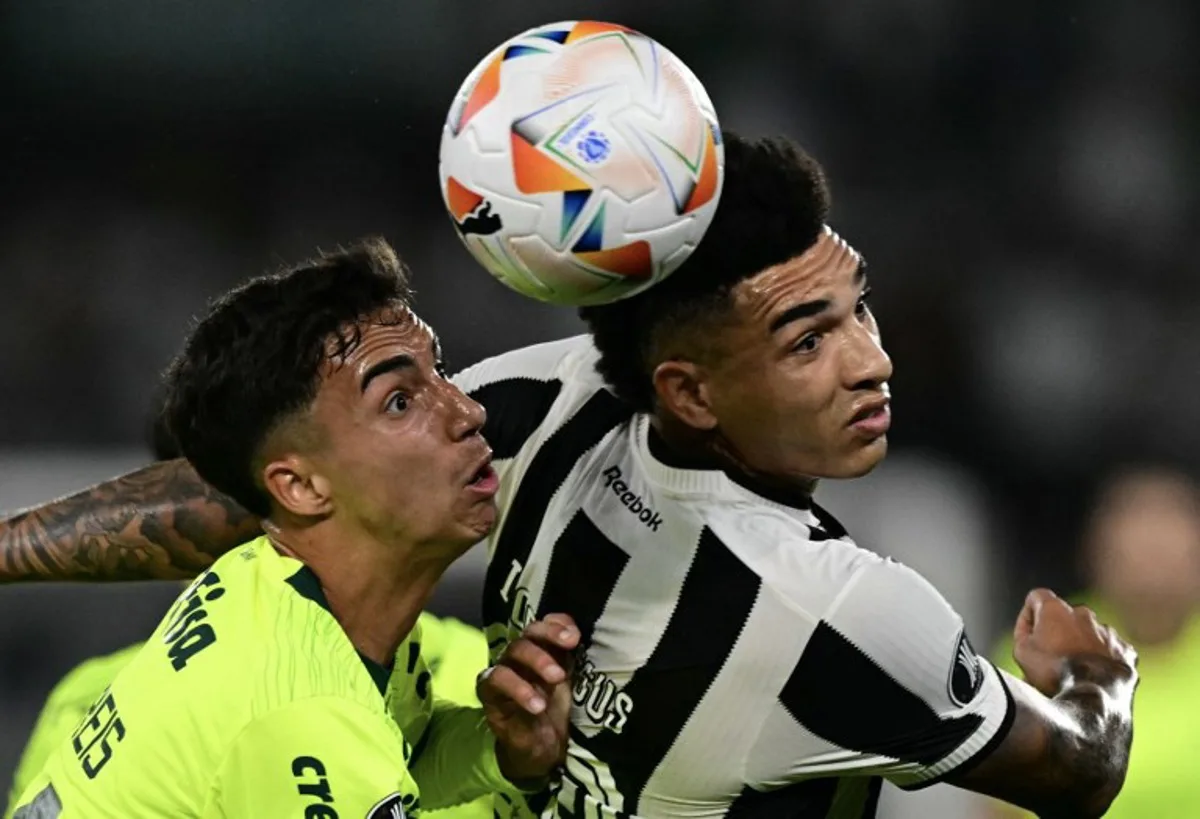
738,708
744,659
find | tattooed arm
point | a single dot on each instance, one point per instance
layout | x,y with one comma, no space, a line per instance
160,522
1068,749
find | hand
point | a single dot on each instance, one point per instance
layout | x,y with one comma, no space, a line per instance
526,696
1051,634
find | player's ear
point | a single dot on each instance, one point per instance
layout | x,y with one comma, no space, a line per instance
297,486
683,391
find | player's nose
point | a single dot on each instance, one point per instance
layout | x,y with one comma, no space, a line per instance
867,364
467,416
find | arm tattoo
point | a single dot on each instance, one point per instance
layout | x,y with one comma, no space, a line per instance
1083,757
1099,696
1065,757
160,522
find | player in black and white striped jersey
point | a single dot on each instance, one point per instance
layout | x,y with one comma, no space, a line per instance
744,658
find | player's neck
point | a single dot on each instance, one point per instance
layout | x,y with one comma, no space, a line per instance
375,591
678,446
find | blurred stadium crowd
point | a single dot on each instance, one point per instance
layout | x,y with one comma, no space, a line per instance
1021,176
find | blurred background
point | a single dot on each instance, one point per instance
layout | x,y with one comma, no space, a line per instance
1022,176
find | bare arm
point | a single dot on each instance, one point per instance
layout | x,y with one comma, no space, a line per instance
1064,756
160,522
1068,749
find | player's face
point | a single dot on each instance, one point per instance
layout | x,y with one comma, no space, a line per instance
800,390
402,448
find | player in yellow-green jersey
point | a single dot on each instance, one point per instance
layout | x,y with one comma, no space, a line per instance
453,652
230,703
316,399
69,700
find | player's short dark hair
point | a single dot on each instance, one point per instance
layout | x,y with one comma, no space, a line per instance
254,359
773,207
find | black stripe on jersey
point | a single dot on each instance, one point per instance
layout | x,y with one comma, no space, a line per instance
598,793
841,695
546,472
718,595
803,800
984,752
582,575
515,408
534,803
578,807
872,804
828,527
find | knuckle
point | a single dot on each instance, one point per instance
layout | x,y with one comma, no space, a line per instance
504,678
537,627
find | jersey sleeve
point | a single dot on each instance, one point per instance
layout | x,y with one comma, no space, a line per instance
319,758
889,678
455,653
456,762
65,708
517,389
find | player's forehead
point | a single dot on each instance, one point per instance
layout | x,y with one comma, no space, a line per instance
826,271
386,334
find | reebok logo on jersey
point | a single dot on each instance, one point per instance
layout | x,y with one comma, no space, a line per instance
632,501
966,676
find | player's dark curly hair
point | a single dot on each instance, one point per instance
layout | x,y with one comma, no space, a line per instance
773,206
254,360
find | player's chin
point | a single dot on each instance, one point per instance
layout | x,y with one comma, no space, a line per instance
863,457
479,519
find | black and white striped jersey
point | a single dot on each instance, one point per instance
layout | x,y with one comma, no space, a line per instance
742,658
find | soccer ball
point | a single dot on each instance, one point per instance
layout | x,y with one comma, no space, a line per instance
581,162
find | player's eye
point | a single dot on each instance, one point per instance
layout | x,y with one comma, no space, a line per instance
807,344
396,403
864,303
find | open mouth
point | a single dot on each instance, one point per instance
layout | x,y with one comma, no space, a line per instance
484,473
870,412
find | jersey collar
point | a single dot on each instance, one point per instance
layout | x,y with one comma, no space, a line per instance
657,460
306,584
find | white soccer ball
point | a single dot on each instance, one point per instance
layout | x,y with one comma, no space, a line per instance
581,162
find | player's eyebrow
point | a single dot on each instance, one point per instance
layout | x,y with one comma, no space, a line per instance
808,309
396,362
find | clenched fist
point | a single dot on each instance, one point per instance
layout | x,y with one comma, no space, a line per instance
1052,637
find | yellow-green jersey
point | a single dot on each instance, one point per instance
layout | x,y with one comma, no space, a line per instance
1161,782
455,653
452,652
69,700
248,700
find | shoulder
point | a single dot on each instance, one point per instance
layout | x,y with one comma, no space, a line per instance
806,558
83,684
533,392
568,359
254,631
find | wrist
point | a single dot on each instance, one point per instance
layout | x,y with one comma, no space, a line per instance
1107,673
525,777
